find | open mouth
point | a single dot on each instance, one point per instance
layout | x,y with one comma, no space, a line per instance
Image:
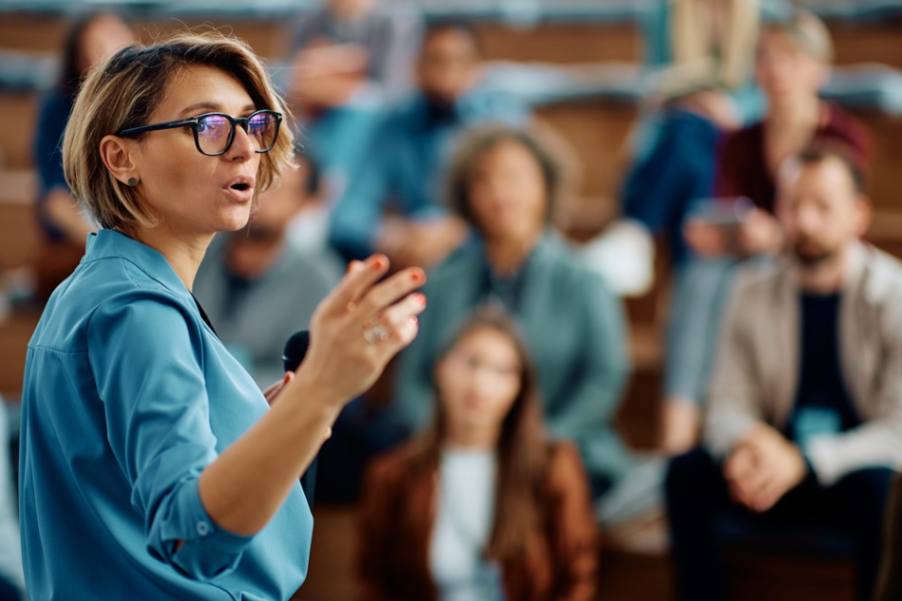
240,186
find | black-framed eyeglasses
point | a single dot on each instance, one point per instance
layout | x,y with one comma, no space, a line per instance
215,132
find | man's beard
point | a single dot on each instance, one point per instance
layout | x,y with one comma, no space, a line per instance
811,255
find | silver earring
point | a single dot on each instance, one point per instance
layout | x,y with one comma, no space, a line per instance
132,182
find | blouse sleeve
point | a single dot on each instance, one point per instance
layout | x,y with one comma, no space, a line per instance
146,359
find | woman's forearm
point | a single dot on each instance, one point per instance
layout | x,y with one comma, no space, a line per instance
245,486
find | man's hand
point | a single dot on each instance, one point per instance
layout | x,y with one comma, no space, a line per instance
760,233
424,243
763,467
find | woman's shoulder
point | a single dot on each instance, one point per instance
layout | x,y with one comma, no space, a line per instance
393,467
468,258
97,299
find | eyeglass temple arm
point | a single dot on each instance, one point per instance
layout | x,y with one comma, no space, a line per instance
156,126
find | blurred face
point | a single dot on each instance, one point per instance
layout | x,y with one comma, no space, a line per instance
507,193
277,206
449,65
102,38
821,211
255,248
191,192
479,380
350,9
784,70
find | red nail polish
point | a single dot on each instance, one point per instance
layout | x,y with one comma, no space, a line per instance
417,277
379,262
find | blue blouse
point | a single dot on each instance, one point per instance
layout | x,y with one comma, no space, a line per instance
128,396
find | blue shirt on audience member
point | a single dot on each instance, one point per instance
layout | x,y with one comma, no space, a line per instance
403,170
340,139
128,396
822,404
662,188
53,114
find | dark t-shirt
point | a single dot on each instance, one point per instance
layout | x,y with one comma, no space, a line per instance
822,404
742,168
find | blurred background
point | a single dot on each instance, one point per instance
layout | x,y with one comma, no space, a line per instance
598,80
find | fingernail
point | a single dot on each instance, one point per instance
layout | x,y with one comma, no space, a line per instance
414,322
379,262
417,276
420,299
354,266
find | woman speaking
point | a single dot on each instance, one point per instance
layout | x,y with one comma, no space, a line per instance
152,466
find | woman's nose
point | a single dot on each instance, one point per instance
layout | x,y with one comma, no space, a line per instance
242,147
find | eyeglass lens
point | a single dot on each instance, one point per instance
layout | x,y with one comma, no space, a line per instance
214,131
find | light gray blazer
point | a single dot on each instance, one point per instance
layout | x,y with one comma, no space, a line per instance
757,364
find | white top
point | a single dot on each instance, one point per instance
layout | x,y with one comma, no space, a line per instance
463,525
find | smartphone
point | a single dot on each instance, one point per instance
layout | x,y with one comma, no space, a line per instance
724,212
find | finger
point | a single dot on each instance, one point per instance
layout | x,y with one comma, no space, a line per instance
398,315
767,498
360,277
749,484
737,494
739,463
386,293
759,483
404,335
272,389
272,392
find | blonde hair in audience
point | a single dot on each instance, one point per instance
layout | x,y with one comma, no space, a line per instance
125,91
809,33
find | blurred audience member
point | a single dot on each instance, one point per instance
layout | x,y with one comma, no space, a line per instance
394,206
481,505
738,224
805,421
380,41
12,579
889,587
702,52
504,183
339,112
64,227
256,287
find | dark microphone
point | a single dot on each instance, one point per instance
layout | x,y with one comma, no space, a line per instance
295,350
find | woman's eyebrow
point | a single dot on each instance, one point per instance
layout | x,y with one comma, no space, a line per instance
212,106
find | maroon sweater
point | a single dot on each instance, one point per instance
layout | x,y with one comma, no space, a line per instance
742,168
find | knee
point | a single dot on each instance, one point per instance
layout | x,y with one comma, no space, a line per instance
690,475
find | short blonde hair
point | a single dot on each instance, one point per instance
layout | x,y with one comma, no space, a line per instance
124,92
808,32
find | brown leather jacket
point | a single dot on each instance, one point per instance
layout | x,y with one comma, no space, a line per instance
395,527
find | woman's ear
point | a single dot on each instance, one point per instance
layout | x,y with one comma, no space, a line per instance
117,155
